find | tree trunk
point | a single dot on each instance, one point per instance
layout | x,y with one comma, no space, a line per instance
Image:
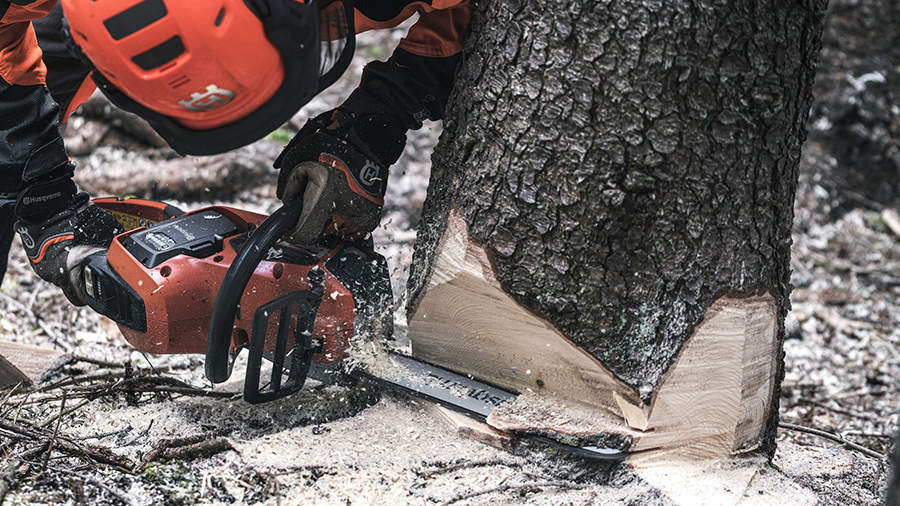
608,223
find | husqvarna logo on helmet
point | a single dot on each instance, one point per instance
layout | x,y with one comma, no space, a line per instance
213,97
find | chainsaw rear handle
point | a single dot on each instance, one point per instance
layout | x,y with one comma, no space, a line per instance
218,347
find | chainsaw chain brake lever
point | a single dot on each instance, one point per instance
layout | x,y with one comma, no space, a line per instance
219,360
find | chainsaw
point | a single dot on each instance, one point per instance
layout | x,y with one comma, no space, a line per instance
217,280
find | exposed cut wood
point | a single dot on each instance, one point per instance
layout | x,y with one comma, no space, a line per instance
20,363
713,402
537,413
466,322
469,427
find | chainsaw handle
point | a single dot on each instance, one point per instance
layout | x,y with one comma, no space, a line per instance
218,345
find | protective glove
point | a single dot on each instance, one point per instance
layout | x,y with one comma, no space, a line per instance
338,164
56,241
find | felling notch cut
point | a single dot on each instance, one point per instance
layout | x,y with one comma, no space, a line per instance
712,402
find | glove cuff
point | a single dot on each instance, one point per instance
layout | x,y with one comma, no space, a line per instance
378,137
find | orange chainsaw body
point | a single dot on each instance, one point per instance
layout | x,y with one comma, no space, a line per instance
178,293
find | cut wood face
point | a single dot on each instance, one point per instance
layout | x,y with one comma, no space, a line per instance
714,401
716,398
466,322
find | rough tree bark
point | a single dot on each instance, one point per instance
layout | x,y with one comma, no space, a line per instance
612,197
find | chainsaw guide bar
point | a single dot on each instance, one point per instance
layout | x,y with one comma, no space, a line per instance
467,396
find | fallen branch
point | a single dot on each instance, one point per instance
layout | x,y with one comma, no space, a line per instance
9,394
89,399
123,384
69,447
75,380
833,437
186,448
19,406
69,359
197,450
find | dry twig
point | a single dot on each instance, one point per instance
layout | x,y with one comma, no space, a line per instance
444,468
832,437
62,410
9,394
186,448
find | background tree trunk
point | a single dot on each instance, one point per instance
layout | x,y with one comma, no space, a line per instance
854,142
615,169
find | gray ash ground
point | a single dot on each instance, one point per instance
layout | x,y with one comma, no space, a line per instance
338,445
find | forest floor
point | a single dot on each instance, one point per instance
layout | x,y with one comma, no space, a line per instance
340,445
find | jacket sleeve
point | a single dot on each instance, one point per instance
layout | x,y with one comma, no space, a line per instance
414,84
31,147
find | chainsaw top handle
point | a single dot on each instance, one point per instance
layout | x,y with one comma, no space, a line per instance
269,232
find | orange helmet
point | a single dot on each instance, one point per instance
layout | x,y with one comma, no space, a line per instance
210,76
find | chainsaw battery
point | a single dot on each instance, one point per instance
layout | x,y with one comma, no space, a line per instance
197,235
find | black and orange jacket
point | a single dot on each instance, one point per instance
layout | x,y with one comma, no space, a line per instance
41,82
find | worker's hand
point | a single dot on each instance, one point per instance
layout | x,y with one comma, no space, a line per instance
340,179
335,203
56,241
